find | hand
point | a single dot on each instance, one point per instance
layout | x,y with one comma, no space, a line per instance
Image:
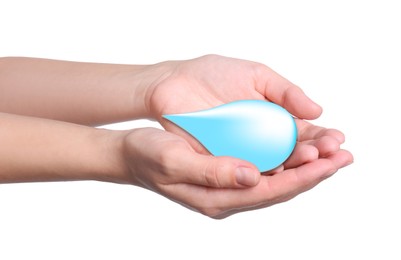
209,81
182,169
212,80
167,164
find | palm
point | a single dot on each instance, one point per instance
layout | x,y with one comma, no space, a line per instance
213,80
187,89
300,173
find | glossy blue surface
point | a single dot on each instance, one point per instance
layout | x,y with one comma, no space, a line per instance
257,131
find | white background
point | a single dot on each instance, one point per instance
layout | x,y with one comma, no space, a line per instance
344,54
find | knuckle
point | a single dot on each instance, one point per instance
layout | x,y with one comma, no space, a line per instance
165,160
168,165
210,174
217,174
211,56
259,68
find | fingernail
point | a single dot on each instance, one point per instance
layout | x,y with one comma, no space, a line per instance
246,176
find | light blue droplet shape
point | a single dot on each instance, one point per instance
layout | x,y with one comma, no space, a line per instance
257,131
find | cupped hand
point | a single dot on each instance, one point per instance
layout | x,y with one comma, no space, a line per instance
221,186
209,81
180,168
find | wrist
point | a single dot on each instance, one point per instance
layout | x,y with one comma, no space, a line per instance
112,166
147,81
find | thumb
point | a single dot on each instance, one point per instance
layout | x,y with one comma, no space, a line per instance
220,172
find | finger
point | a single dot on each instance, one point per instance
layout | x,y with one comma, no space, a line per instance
195,144
295,181
220,203
217,172
284,93
287,185
303,153
326,145
308,131
276,170
339,160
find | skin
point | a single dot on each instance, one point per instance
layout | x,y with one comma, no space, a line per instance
56,99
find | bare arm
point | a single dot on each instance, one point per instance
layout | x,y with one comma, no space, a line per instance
38,149
34,149
78,92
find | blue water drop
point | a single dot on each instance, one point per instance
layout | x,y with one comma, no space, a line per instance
257,131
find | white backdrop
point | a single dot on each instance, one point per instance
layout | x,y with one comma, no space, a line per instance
344,54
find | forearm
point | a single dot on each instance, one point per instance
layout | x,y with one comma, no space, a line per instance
83,93
33,149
